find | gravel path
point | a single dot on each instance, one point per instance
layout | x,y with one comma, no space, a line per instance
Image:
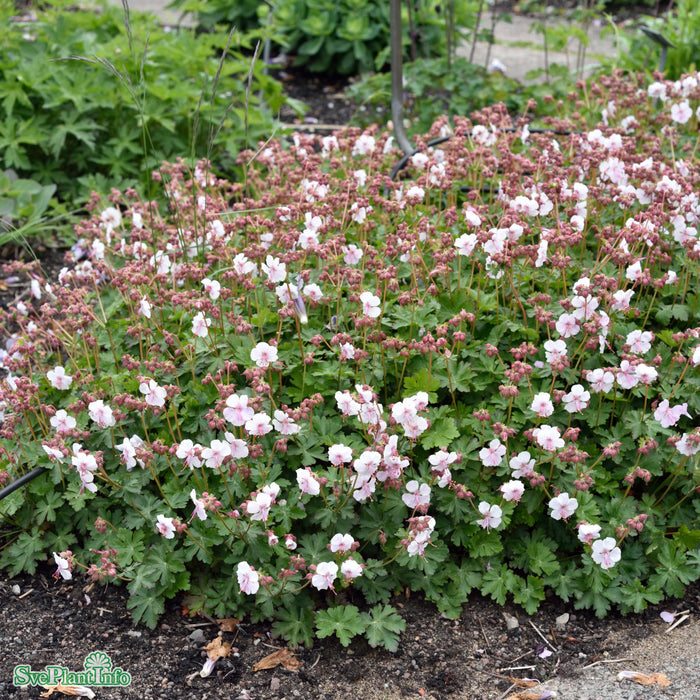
676,654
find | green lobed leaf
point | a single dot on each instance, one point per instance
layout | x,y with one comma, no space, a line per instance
383,625
529,593
146,605
24,553
637,597
498,582
295,624
344,621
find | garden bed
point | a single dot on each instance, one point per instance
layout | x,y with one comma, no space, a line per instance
472,658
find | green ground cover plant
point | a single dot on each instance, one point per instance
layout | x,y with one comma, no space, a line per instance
317,380
98,99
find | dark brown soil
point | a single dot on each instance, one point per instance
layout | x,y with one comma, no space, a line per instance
476,657
329,107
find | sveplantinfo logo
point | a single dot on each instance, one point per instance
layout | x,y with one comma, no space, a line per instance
97,671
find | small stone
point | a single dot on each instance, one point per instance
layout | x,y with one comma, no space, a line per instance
197,637
134,633
511,621
562,620
16,589
275,683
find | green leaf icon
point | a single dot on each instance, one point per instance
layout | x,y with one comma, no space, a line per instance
98,659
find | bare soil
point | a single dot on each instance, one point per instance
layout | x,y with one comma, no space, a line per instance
481,656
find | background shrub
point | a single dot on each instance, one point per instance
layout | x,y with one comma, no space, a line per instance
680,25
140,95
341,36
244,15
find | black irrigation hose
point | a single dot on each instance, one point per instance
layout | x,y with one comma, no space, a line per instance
11,488
402,163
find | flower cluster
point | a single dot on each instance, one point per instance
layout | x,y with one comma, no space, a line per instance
319,377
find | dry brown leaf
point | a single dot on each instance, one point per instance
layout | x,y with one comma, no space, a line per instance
527,696
216,649
660,679
281,657
523,682
80,690
228,624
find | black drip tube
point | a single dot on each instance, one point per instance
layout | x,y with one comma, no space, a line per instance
18,483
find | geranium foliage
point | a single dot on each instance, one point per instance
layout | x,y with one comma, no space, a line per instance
482,376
